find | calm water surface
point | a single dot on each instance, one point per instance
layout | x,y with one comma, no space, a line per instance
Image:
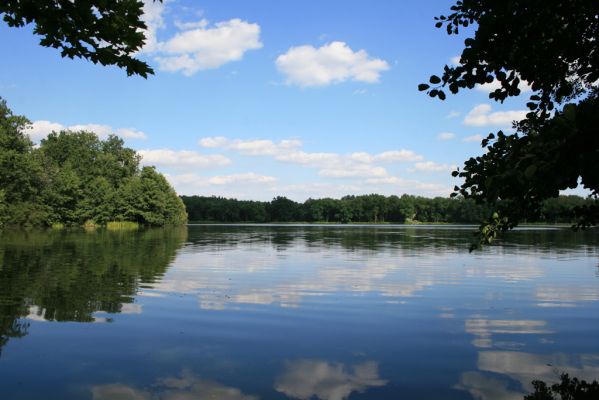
294,312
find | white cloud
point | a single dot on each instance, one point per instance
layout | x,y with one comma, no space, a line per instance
197,45
248,177
263,147
430,166
105,130
472,138
446,136
201,24
394,185
215,141
203,47
311,159
481,115
306,379
243,186
334,62
258,147
183,159
398,156
152,16
452,114
331,165
40,129
353,171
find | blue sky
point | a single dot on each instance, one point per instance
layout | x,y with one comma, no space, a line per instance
254,99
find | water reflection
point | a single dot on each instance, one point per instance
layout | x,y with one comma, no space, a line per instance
187,386
523,368
232,304
307,379
228,267
71,275
484,328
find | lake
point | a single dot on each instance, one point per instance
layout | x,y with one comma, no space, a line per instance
294,312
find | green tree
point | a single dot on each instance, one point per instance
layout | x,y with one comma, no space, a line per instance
150,200
553,46
283,210
20,172
105,32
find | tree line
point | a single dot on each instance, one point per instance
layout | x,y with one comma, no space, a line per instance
75,178
371,208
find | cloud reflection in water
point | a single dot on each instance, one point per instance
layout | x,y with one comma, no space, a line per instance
306,379
187,387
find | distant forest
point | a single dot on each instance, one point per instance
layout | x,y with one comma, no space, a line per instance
372,208
74,178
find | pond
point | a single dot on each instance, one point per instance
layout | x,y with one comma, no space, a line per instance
294,312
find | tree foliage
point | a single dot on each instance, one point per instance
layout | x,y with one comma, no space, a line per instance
553,46
75,178
372,208
105,32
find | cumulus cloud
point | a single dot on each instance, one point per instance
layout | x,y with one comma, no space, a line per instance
481,115
431,166
203,47
331,165
258,147
183,159
394,184
334,62
446,136
398,156
307,379
472,138
197,45
154,21
249,177
247,185
353,171
40,129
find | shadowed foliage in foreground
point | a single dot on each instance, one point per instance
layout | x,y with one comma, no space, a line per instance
567,389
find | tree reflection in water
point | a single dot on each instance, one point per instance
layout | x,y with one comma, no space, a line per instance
70,275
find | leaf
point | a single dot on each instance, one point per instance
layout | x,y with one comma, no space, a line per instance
434,79
423,86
